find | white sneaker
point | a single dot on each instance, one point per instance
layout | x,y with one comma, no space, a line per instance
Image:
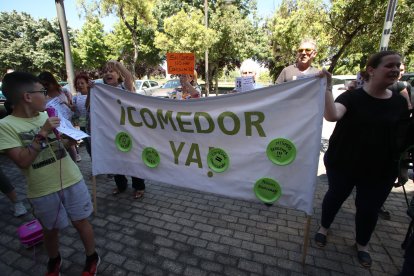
19,209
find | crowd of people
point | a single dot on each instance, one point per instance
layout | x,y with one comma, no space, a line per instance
362,154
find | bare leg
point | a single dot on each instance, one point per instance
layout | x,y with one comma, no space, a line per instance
51,242
86,233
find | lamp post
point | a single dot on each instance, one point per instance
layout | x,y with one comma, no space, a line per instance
207,84
60,9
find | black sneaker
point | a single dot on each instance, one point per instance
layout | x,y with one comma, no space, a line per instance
384,213
91,265
53,266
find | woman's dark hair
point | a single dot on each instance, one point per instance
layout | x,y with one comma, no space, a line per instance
80,76
47,78
375,60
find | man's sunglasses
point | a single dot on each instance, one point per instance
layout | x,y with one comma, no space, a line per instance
44,91
307,50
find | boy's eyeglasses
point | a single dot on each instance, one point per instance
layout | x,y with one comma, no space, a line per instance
307,50
44,91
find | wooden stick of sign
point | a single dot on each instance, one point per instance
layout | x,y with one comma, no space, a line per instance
306,239
95,205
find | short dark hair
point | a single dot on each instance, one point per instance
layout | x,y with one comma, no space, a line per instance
15,83
48,78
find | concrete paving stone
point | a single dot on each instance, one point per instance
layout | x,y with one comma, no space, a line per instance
231,271
264,259
258,218
227,260
315,271
288,245
117,246
247,222
115,271
162,241
237,227
250,211
276,252
65,251
194,211
189,204
6,269
114,258
203,227
277,235
147,246
178,237
188,258
216,247
223,231
228,218
168,253
114,236
289,265
24,263
5,239
66,240
189,231
199,200
128,231
232,207
113,226
230,241
153,215
133,253
180,214
250,266
197,242
178,207
270,225
355,269
256,231
184,197
239,214
151,258
211,266
130,241
204,253
264,240
217,222
210,236
135,266
9,257
186,222
194,271
156,222
173,227
143,227
183,247
173,267
220,210
253,246
99,221
243,236
160,231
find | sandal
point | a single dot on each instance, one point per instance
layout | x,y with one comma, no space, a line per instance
320,239
138,194
115,192
364,258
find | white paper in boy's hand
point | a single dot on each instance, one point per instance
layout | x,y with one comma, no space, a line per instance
62,109
68,129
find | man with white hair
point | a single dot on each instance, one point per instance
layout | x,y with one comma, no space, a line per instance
249,68
305,54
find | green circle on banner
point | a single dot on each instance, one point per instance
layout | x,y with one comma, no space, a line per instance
267,190
218,160
150,157
123,141
281,151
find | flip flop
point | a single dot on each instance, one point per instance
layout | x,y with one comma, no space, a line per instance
364,258
138,194
320,239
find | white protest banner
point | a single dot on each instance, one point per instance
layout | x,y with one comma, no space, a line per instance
262,143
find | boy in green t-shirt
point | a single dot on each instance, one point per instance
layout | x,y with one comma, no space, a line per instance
56,189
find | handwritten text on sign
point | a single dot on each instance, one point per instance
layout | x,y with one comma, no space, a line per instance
180,63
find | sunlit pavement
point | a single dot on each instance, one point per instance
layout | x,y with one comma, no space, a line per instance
176,231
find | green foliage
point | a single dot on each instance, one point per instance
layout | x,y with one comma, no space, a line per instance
30,45
90,51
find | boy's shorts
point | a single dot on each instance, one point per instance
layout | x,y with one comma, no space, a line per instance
54,210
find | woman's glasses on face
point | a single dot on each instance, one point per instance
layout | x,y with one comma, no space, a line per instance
307,50
44,91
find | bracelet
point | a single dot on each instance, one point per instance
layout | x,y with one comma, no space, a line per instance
30,146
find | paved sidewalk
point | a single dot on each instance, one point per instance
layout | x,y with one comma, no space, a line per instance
176,231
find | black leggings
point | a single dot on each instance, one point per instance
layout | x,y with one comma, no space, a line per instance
370,196
122,182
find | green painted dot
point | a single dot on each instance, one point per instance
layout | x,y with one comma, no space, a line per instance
281,151
210,174
267,190
150,157
123,141
218,160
